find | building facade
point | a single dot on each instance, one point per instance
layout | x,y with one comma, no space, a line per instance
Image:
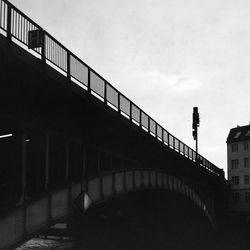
238,156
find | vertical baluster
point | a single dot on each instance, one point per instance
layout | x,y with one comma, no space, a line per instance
16,25
130,111
9,23
140,113
68,66
24,30
1,14
59,55
119,102
50,48
156,132
19,36
43,49
162,135
148,124
89,82
105,92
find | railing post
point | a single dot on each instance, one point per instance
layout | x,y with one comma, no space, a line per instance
89,87
105,94
68,66
148,124
130,112
43,49
9,23
119,103
140,118
162,135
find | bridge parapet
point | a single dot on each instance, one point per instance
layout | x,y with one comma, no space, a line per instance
17,27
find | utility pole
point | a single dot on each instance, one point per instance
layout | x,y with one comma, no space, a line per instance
196,124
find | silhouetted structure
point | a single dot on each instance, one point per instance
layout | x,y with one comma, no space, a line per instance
68,135
238,154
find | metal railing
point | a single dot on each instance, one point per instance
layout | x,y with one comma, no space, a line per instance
17,27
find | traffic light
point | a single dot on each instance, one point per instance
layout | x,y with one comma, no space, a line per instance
196,122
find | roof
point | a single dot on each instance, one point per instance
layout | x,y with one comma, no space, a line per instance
240,133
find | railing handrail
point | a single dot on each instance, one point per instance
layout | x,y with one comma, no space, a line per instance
20,32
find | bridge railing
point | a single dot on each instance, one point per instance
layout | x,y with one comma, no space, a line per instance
17,26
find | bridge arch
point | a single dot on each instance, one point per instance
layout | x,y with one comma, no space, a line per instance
112,184
23,222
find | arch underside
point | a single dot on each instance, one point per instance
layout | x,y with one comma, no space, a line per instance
23,222
110,185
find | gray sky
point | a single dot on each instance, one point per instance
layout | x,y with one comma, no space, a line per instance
166,55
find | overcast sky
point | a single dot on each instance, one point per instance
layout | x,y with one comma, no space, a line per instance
166,55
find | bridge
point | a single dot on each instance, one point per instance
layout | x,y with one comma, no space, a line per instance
69,139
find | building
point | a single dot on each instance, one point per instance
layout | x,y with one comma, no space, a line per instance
238,155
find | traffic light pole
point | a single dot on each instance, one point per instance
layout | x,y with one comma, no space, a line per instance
196,144
196,124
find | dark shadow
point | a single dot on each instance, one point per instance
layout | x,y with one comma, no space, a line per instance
144,220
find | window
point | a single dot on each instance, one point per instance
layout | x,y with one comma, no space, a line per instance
235,163
235,180
237,135
236,197
235,147
246,162
246,179
248,133
247,196
245,145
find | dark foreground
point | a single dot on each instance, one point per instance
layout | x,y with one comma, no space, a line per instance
149,220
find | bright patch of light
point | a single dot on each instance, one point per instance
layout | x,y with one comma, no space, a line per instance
5,136
87,201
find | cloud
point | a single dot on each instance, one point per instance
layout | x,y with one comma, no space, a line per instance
175,82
